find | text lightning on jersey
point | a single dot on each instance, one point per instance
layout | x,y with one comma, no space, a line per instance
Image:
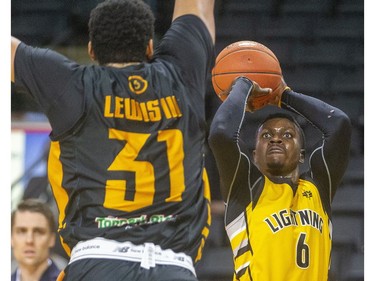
282,219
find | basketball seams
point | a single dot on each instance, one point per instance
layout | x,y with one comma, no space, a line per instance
238,75
249,72
246,49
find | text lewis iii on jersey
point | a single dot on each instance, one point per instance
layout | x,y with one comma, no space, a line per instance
149,111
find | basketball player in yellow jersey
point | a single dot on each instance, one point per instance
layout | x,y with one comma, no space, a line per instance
278,217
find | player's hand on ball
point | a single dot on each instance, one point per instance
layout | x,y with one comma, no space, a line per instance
277,93
260,97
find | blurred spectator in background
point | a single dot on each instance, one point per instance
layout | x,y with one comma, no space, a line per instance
33,235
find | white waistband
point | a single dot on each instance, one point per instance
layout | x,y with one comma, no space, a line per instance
147,254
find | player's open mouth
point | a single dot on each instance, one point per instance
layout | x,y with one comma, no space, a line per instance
275,149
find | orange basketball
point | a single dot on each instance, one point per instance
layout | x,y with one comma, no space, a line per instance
246,58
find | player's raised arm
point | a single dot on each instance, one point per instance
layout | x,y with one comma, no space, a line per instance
204,9
14,45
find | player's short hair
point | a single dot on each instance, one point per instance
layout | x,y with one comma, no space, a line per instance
119,30
35,206
290,118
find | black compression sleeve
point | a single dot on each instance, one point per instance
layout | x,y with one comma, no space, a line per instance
224,133
329,162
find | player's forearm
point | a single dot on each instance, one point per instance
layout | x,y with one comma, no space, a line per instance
325,117
228,118
204,9
333,156
224,134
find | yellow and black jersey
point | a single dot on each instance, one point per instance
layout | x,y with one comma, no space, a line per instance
127,152
284,235
279,230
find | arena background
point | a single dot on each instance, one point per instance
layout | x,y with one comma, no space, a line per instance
320,45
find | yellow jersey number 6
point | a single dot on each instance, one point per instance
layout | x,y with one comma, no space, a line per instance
144,170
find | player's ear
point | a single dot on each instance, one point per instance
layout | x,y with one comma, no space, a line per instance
254,156
150,49
90,51
302,156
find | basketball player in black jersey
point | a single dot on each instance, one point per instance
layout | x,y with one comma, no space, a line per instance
278,217
126,161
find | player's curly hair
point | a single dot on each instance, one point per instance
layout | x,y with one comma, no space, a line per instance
119,30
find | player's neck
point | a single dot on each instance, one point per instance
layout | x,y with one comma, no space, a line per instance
121,64
293,176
